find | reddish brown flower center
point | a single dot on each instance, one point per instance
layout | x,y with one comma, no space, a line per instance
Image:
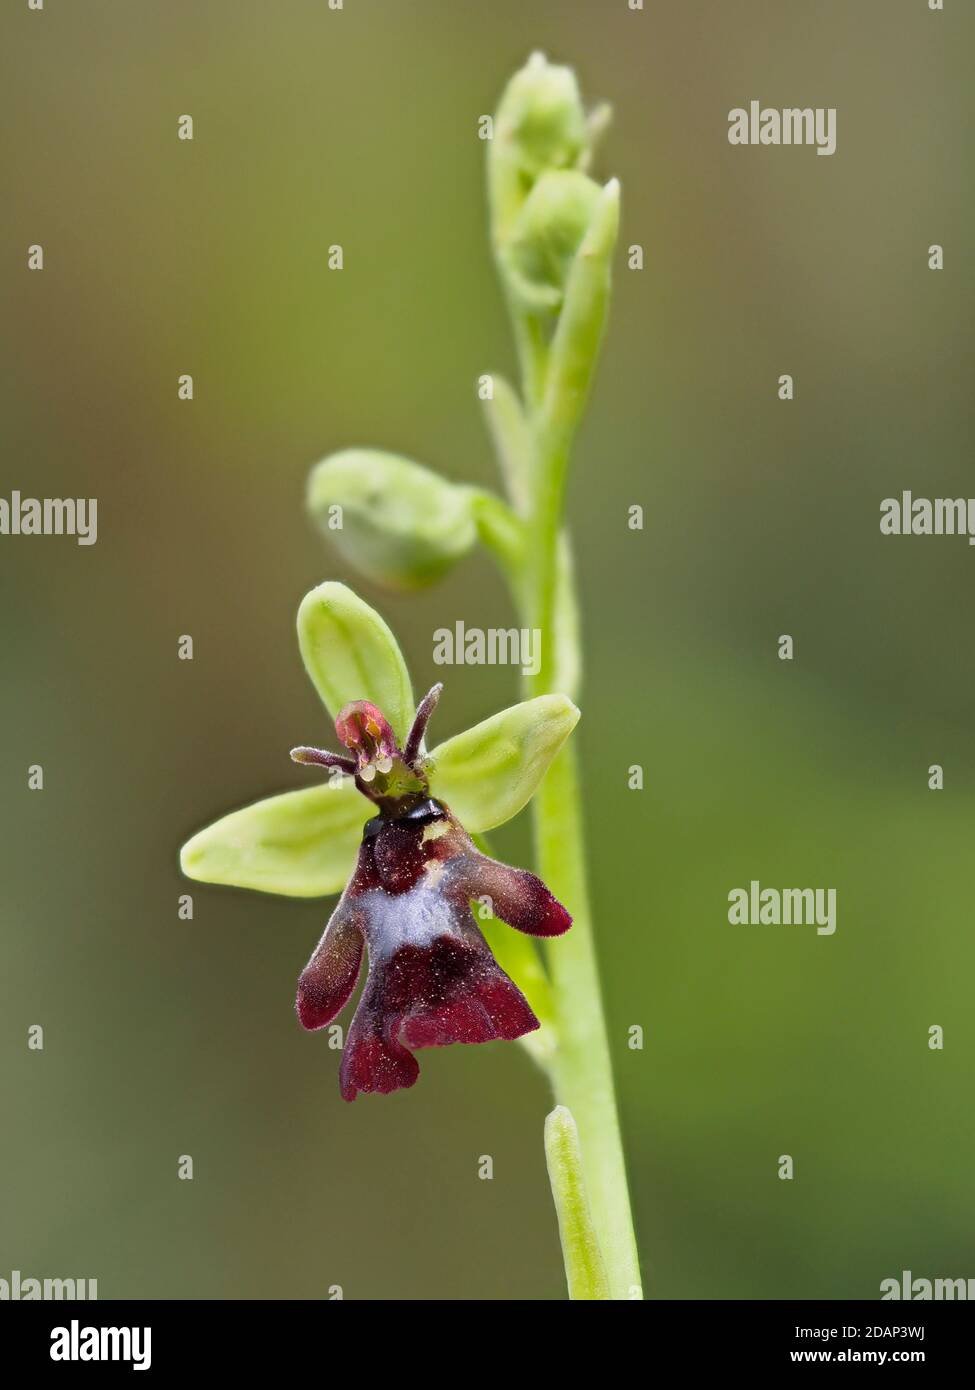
365,731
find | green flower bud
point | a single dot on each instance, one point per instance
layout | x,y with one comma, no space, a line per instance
399,524
541,113
540,124
547,234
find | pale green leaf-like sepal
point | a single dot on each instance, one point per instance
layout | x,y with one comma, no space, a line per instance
302,844
350,654
488,773
585,1270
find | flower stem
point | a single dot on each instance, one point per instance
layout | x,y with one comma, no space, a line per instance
580,1067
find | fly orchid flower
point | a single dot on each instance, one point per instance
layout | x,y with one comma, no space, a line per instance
411,869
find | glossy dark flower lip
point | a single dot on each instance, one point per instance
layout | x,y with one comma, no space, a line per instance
432,979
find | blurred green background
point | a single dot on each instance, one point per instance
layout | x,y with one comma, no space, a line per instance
164,1037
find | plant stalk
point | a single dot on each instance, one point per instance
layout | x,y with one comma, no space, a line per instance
580,1068
539,205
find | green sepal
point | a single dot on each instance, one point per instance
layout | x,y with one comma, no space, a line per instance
489,772
350,654
302,844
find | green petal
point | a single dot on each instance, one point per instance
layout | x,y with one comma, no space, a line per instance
302,844
350,654
400,524
488,773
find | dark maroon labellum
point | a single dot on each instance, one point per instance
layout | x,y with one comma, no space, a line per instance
432,978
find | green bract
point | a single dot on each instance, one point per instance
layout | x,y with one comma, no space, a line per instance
510,432
400,524
584,1266
304,843
579,331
